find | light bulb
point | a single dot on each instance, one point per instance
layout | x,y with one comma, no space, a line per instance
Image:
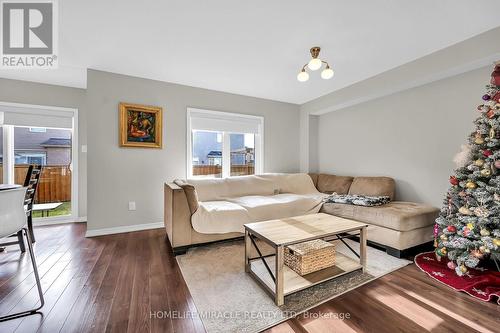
327,73
303,76
314,64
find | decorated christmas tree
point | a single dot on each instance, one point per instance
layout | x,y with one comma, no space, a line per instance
467,230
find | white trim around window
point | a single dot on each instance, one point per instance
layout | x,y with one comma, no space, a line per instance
228,123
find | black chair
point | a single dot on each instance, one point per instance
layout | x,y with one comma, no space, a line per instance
31,182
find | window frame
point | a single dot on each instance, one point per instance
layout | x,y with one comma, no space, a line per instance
226,146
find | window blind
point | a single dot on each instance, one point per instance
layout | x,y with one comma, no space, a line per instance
216,122
20,116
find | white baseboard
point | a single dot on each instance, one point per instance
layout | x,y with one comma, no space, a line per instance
119,230
58,220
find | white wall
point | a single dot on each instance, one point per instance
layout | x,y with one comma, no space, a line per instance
14,91
119,175
411,136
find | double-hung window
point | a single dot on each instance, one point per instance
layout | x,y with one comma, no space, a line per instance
222,144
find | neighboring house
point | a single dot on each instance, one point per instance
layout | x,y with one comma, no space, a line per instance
214,157
242,156
41,146
207,149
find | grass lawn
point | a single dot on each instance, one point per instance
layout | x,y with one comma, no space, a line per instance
64,209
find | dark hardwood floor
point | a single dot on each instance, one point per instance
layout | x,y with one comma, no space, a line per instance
129,283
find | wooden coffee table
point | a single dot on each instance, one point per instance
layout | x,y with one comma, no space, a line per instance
278,279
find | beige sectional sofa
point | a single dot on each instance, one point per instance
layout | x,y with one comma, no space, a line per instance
200,211
397,226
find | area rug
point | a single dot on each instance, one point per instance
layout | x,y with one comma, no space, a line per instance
481,283
229,300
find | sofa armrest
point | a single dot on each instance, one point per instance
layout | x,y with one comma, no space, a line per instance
177,215
191,194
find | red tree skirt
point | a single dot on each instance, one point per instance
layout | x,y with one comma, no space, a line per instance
481,283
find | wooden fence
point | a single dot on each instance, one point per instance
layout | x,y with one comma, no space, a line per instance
236,170
54,186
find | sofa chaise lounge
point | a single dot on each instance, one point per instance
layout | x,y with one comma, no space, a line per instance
201,211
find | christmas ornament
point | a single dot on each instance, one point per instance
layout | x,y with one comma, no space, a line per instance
497,164
466,232
477,254
486,250
463,194
451,265
490,114
443,237
486,97
492,133
486,172
484,232
487,152
453,180
479,162
479,139
470,226
482,248
439,254
443,251
495,76
470,185
463,269
481,212
451,228
496,241
496,97
464,211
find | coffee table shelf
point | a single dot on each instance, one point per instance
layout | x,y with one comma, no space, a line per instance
271,271
293,282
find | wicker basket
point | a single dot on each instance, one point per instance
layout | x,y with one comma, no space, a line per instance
308,257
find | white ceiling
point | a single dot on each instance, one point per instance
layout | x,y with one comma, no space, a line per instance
255,48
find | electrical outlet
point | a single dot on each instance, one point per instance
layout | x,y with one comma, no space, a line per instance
131,205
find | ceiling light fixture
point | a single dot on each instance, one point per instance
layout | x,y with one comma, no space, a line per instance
314,64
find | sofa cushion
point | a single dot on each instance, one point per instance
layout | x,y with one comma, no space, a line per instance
211,189
373,186
230,215
219,217
298,183
331,183
400,240
262,208
396,215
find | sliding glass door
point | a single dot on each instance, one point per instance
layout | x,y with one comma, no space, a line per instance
43,137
